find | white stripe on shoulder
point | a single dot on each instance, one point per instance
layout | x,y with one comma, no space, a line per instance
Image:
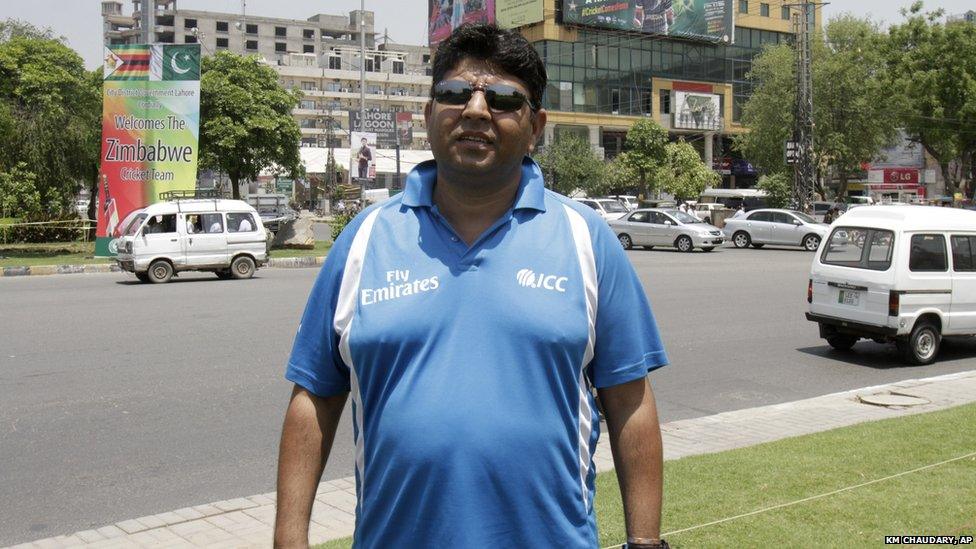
587,263
345,310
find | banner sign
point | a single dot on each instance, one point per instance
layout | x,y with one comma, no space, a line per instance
404,122
710,20
510,14
381,123
697,111
443,16
150,130
362,157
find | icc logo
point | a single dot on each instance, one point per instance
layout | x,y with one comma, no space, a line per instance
529,279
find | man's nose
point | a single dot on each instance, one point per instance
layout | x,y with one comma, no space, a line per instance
477,106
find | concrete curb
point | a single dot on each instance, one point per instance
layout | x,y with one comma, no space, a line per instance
249,522
276,262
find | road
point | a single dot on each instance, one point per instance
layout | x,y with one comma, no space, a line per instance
119,400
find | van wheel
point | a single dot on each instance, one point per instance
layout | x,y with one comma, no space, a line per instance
811,242
143,277
842,342
242,267
922,344
625,241
160,271
223,274
684,244
741,239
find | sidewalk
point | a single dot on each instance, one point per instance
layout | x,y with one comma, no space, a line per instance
247,522
276,262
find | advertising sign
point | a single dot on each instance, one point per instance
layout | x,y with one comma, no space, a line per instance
710,20
510,14
443,16
904,153
381,123
150,130
362,157
404,122
697,111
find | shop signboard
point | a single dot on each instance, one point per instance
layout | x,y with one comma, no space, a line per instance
381,123
710,20
697,111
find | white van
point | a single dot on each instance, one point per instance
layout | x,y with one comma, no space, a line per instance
751,199
225,237
902,274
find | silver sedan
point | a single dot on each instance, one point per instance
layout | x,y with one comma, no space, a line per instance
660,227
773,226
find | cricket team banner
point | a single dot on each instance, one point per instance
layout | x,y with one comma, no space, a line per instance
710,20
150,130
510,14
443,16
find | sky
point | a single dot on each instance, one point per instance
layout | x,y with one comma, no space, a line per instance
80,21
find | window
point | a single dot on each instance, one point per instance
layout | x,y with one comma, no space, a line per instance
369,65
308,104
308,34
281,31
251,29
665,101
212,223
251,45
335,62
221,43
281,47
963,248
189,39
743,6
646,102
764,9
638,217
761,216
189,23
398,67
308,86
780,217
161,224
615,101
591,204
308,48
240,223
928,253
859,248
222,26
784,13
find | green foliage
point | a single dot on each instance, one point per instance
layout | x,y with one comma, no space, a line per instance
645,153
569,165
339,222
50,110
933,65
246,123
15,28
618,178
779,188
685,175
64,227
19,196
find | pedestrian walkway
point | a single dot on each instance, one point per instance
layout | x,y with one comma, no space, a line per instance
248,522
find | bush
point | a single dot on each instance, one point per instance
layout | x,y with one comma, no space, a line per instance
19,196
68,229
339,222
778,187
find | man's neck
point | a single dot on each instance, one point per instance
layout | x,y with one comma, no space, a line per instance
472,207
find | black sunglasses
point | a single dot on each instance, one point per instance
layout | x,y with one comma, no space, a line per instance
500,97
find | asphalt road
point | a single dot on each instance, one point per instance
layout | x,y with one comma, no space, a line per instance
119,400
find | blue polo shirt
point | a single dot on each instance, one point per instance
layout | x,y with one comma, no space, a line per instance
469,368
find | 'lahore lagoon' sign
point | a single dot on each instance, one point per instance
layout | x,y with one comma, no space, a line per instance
150,130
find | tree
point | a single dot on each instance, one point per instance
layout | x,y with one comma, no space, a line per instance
852,117
18,193
934,65
570,165
684,175
779,189
645,153
49,115
618,177
245,119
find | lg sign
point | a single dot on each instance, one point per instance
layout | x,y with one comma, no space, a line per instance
905,176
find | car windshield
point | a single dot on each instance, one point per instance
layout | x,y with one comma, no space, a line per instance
133,226
804,217
685,218
613,206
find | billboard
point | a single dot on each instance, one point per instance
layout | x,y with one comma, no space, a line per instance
404,122
362,157
510,14
443,16
381,123
710,20
150,130
697,111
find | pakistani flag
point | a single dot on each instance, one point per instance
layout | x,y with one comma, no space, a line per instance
171,63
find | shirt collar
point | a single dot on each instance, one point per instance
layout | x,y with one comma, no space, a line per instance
419,187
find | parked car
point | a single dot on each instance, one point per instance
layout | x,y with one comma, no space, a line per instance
886,273
629,201
225,237
658,227
608,208
775,226
750,199
663,203
704,210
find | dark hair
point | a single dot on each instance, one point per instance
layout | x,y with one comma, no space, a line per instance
505,49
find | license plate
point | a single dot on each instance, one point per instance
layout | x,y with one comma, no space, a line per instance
849,297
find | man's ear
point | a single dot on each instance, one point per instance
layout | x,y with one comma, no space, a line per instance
538,127
427,109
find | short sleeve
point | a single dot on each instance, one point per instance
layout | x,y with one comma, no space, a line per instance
315,362
628,343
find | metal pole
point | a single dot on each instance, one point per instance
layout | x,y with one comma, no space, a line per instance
362,79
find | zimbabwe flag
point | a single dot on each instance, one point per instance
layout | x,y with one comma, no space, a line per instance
127,62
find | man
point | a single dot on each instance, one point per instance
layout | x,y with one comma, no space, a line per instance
468,318
740,212
364,157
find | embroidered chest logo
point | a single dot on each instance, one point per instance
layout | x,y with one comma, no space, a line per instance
530,279
398,284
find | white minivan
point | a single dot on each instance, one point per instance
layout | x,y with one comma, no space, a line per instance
902,274
225,237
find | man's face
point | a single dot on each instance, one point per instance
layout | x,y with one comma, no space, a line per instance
473,139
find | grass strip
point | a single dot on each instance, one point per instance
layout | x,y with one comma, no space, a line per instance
940,500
